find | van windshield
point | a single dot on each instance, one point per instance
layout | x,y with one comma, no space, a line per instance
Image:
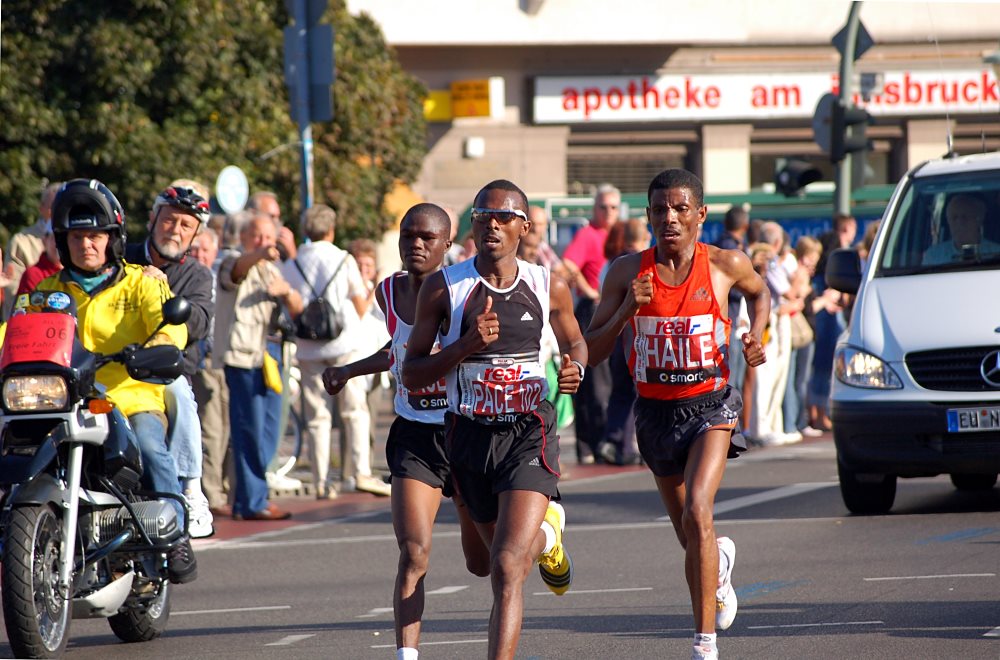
948,222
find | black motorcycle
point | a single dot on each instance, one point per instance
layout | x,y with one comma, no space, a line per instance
80,537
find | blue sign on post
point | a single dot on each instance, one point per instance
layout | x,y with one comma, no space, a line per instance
309,76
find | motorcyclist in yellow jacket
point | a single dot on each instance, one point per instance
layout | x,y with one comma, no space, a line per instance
117,306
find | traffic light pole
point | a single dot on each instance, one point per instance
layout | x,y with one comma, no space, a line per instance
842,198
301,102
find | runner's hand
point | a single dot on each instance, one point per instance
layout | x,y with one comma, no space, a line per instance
569,376
753,350
334,379
641,292
487,325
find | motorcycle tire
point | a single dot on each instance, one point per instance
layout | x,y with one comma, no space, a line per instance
37,618
143,622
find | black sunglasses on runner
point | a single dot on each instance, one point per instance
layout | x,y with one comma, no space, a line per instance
503,216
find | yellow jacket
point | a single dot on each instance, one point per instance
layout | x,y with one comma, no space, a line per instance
125,311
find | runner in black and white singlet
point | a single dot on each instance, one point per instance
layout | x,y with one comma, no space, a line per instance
415,449
489,312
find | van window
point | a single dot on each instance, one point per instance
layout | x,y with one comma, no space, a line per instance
948,222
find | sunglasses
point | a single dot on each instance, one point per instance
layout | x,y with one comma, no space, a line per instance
503,216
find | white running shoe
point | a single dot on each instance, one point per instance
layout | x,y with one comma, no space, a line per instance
704,652
201,526
725,595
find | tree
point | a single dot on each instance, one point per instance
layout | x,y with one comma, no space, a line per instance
139,92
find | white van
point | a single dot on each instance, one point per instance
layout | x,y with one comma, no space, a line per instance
916,377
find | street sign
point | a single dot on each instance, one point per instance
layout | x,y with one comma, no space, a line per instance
478,98
232,189
821,120
863,43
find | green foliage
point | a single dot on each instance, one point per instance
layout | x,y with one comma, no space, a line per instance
139,92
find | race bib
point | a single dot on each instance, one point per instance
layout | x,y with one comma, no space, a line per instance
432,397
675,350
501,392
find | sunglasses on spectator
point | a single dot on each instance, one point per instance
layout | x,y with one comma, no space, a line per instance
608,207
503,216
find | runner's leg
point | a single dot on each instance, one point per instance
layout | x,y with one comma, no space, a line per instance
517,542
414,507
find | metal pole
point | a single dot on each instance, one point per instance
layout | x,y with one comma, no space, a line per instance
302,104
842,199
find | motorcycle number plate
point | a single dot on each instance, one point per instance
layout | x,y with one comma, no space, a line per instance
42,337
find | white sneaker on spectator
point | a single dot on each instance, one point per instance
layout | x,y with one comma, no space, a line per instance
201,526
810,432
281,482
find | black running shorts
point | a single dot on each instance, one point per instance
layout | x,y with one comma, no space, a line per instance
666,430
416,450
488,459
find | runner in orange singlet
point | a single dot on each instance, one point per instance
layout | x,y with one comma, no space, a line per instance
671,303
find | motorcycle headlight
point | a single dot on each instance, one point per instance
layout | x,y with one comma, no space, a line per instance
860,369
31,393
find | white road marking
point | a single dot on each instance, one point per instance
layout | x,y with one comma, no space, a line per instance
993,633
813,625
447,590
928,577
228,610
289,640
781,493
423,643
577,592
375,612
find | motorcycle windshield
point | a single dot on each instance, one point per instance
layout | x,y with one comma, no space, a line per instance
41,328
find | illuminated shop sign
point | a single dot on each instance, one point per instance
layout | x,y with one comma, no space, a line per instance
577,99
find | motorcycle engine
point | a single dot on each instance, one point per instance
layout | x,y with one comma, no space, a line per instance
158,518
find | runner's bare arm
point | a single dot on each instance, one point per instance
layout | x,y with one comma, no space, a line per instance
621,296
334,378
567,331
736,266
421,367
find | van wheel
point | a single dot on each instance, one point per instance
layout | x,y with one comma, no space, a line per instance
866,494
974,481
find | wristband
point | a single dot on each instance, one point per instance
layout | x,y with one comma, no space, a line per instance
580,367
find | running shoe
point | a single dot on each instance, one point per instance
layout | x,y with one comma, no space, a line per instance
704,652
556,566
725,595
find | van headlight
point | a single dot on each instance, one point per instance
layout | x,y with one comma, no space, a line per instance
31,393
860,369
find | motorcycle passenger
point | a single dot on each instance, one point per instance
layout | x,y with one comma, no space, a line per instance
117,306
179,214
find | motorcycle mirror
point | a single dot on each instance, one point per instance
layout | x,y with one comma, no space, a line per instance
176,311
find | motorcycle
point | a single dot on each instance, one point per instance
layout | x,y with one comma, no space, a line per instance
80,537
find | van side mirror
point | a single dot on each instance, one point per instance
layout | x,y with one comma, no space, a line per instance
843,270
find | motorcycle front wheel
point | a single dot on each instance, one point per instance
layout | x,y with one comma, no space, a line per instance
142,622
36,612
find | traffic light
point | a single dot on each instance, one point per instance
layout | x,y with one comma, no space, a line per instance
792,176
847,131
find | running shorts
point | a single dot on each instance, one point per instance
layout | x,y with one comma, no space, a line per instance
488,459
665,430
416,450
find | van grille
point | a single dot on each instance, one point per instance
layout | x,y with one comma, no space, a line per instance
951,370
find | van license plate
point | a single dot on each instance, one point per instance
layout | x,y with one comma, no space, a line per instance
963,420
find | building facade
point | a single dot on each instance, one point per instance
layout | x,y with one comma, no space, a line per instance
572,93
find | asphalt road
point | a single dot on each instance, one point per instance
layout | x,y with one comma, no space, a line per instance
813,581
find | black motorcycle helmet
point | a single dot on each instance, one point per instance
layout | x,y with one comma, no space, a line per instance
88,204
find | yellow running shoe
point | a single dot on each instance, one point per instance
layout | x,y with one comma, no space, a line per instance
556,566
